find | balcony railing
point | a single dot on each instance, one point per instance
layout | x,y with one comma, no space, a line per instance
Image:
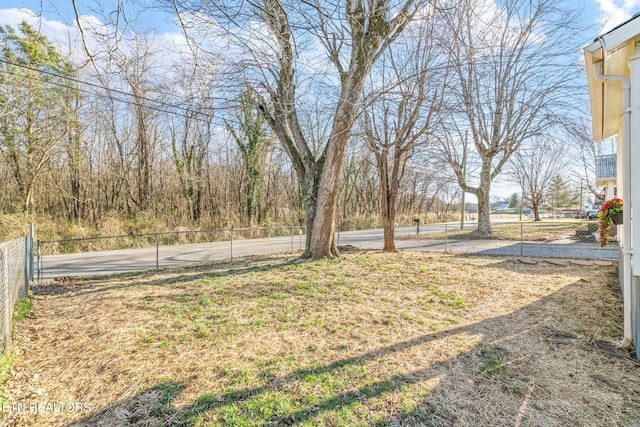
606,166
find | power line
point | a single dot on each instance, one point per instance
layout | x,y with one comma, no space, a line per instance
101,95
187,112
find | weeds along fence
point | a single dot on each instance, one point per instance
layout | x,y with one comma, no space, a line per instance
16,271
153,251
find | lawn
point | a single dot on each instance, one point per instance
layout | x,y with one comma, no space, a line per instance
369,339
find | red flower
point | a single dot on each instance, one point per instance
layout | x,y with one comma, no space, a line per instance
607,210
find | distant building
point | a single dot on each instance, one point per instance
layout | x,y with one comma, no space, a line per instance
606,174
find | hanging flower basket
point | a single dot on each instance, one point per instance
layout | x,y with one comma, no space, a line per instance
608,214
617,219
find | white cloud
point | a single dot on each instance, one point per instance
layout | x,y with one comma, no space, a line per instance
68,39
15,16
615,12
163,50
56,31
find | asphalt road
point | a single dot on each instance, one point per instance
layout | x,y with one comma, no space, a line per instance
118,261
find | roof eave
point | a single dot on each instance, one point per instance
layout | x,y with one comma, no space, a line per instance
608,52
617,36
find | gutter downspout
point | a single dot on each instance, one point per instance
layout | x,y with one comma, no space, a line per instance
626,191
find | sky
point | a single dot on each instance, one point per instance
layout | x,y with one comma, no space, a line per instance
605,14
53,18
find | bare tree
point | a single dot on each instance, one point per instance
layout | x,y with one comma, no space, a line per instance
253,143
509,79
190,146
126,60
136,69
73,146
533,167
448,194
586,150
406,107
191,132
353,34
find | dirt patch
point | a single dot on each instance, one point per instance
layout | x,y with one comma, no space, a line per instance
369,339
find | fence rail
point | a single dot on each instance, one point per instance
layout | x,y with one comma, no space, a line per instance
153,251
558,238
16,271
521,232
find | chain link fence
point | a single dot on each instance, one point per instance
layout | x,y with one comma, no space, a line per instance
153,251
557,238
16,271
520,231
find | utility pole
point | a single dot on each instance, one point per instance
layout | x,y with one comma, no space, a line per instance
462,212
581,200
464,174
522,203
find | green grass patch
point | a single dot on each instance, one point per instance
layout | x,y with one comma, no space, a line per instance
491,361
23,308
6,364
21,311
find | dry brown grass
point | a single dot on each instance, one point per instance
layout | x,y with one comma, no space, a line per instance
370,339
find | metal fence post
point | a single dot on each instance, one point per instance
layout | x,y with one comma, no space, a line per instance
446,238
292,238
32,234
521,240
6,301
26,265
39,260
157,253
231,242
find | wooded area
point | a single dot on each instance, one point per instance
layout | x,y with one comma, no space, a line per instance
282,113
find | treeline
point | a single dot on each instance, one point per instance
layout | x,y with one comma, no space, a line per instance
113,157
285,113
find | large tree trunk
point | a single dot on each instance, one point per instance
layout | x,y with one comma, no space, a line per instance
372,31
389,200
389,195
389,214
322,243
389,232
309,191
536,211
388,221
322,239
484,208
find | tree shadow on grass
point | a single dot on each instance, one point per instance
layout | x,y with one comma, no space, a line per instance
153,406
283,401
